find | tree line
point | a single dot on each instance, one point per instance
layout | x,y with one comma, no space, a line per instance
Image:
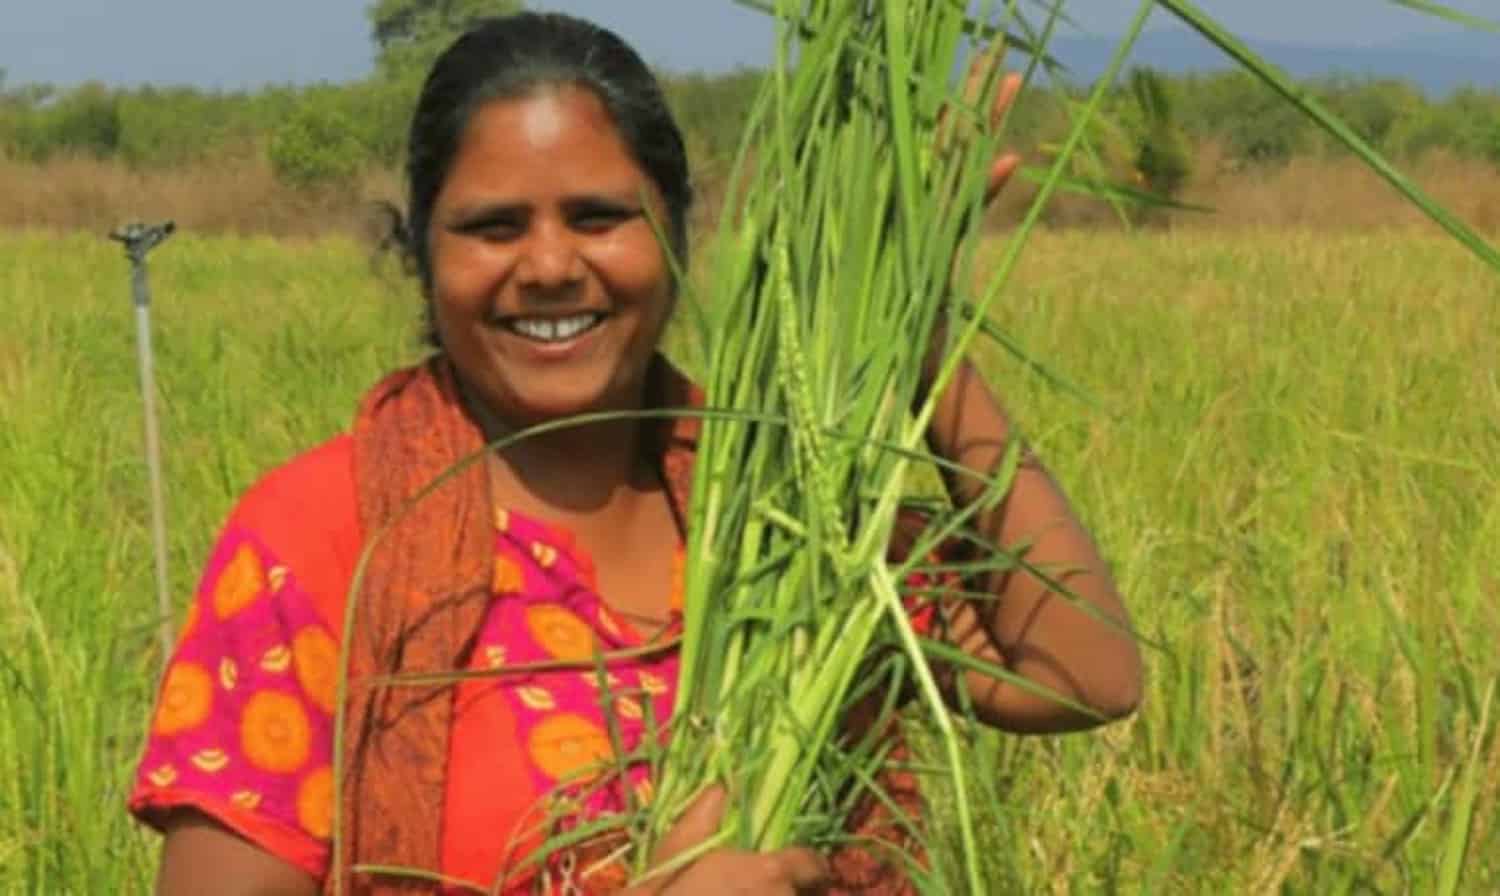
324,136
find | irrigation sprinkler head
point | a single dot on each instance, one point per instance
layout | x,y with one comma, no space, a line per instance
140,238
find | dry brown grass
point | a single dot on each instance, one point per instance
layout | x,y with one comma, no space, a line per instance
1342,194
239,195
1307,193
235,195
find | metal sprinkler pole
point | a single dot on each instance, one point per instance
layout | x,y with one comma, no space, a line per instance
139,239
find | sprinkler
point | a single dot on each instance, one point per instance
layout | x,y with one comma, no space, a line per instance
139,239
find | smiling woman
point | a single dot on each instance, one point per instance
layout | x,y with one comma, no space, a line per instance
541,151
549,285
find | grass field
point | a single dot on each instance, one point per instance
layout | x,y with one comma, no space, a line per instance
1293,469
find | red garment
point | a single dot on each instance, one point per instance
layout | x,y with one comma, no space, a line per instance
243,730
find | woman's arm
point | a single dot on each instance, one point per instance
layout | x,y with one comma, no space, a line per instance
1028,628
199,856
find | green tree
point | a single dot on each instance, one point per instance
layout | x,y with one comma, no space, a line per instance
86,120
318,147
1164,158
409,34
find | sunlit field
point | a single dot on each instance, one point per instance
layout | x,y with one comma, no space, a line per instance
1290,457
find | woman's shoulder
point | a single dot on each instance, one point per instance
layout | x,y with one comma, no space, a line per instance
319,479
305,513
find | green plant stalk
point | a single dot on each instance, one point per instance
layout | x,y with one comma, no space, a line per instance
809,709
1450,872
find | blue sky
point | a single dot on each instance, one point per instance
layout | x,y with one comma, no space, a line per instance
235,43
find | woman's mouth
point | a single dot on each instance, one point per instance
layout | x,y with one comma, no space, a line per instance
551,330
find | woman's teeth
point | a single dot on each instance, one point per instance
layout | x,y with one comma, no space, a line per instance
554,329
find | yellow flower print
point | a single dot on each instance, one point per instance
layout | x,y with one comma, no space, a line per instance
563,745
316,658
187,695
248,800
537,698
211,761
162,776
240,583
645,791
653,684
275,734
278,659
229,674
315,803
591,678
560,632
609,623
544,554
629,708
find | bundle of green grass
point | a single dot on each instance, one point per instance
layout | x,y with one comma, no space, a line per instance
852,203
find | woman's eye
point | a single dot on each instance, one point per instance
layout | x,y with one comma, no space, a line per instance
494,228
498,230
595,220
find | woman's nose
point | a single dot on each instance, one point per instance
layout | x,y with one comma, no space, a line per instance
550,258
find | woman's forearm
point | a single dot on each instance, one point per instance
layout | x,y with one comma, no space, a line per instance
1029,627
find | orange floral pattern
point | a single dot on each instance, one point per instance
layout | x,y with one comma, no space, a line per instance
560,632
240,583
508,577
246,714
244,711
567,744
275,733
316,658
187,697
315,802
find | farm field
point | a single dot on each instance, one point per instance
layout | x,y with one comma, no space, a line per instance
1292,465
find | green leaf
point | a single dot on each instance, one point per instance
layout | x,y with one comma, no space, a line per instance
1444,11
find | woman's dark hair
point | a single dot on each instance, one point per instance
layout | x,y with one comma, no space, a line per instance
510,56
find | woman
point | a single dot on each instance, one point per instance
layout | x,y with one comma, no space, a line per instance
540,152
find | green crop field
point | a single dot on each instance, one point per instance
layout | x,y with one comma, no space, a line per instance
1293,463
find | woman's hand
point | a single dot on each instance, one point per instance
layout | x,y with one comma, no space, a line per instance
1002,169
794,871
1006,163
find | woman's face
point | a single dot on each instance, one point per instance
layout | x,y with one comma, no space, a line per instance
550,289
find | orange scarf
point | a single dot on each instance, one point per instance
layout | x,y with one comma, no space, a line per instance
422,600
